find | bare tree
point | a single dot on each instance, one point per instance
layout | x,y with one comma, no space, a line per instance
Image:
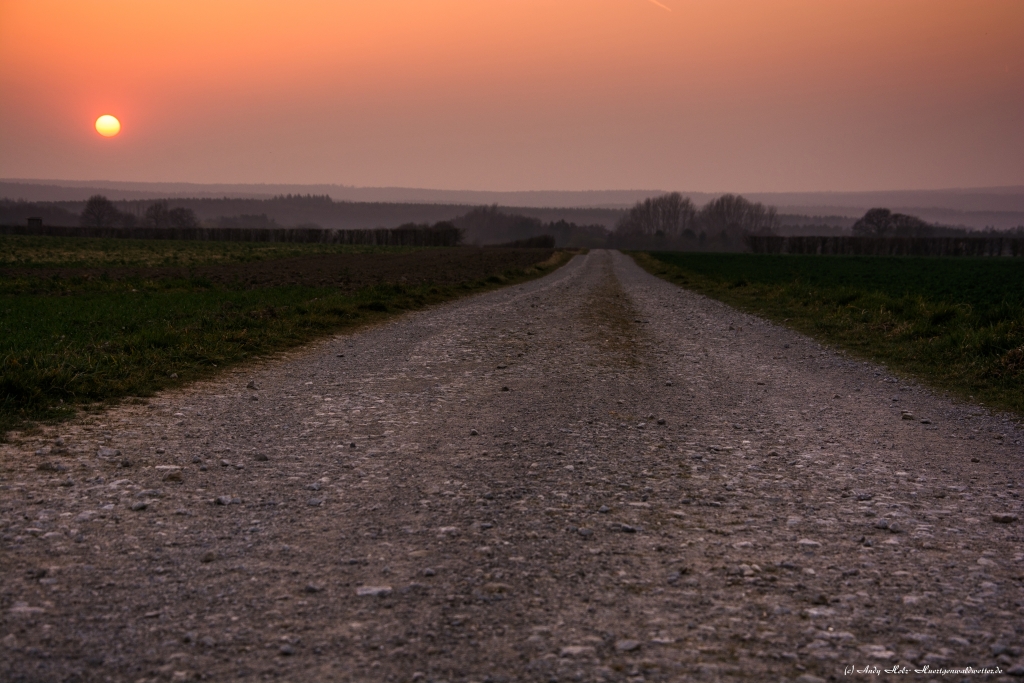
669,215
762,220
734,215
157,215
182,218
885,223
99,212
722,221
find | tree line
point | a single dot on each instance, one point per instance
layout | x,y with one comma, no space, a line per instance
885,223
100,212
675,220
993,243
667,222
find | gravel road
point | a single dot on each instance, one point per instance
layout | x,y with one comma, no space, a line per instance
593,476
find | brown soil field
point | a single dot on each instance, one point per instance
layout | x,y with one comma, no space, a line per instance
442,266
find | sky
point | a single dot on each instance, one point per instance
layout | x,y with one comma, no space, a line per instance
689,95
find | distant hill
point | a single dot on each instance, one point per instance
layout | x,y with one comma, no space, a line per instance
309,210
977,208
79,190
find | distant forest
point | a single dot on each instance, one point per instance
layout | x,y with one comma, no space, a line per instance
667,222
296,211
491,225
672,222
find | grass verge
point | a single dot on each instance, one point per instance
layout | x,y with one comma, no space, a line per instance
84,343
955,323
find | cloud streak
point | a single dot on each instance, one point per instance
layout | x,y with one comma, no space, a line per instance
664,7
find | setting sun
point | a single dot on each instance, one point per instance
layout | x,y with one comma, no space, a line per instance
108,126
743,95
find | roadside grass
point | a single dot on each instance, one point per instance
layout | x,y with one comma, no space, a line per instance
955,323
87,343
79,252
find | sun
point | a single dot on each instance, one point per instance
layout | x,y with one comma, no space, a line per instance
108,126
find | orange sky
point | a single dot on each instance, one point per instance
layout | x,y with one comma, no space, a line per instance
713,95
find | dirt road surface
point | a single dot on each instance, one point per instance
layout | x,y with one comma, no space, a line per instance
592,476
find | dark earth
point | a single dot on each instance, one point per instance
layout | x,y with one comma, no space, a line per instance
440,266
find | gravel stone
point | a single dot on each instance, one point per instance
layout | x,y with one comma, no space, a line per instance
751,555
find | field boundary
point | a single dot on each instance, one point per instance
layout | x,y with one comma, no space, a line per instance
886,246
381,237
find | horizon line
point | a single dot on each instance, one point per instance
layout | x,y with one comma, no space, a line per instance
85,183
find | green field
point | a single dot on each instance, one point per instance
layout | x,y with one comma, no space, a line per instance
956,323
77,252
87,322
